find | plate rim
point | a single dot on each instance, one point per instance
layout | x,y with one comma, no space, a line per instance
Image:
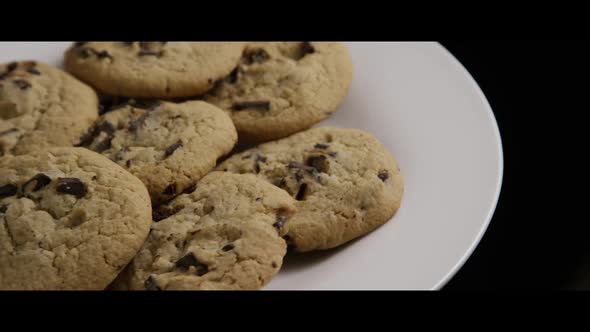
499,181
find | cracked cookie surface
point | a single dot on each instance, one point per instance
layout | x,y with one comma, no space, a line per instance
344,180
69,219
280,88
152,69
224,235
167,146
42,106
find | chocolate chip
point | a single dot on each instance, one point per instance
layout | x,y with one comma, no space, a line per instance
8,190
89,137
256,56
104,54
301,192
274,264
260,158
85,52
332,154
321,146
9,69
305,49
318,162
103,145
164,212
22,84
71,186
41,180
139,122
128,163
256,167
151,284
9,131
248,156
228,247
170,190
258,199
170,150
282,183
280,223
33,71
94,178
3,208
190,260
299,165
383,175
258,105
190,189
234,75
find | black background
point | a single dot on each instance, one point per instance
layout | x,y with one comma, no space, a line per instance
536,240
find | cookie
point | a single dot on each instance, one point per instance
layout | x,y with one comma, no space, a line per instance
42,106
152,69
344,180
281,88
167,146
225,235
69,219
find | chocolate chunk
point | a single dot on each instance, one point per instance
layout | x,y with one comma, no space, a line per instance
103,145
306,48
164,212
137,123
383,175
85,52
8,132
8,190
260,158
33,71
321,146
190,260
228,247
22,84
234,75
3,208
89,137
170,150
104,54
190,189
41,180
151,284
318,162
274,265
9,69
258,105
280,223
71,186
170,190
256,56
301,192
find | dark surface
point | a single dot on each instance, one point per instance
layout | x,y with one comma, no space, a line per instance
535,240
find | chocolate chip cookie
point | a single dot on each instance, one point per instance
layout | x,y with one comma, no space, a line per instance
69,219
280,88
42,106
152,69
344,180
226,234
167,146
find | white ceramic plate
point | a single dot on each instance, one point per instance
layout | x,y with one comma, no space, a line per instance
429,112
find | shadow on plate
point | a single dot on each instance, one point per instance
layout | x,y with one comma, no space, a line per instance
294,261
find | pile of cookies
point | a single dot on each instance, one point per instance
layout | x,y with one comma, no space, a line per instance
181,165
